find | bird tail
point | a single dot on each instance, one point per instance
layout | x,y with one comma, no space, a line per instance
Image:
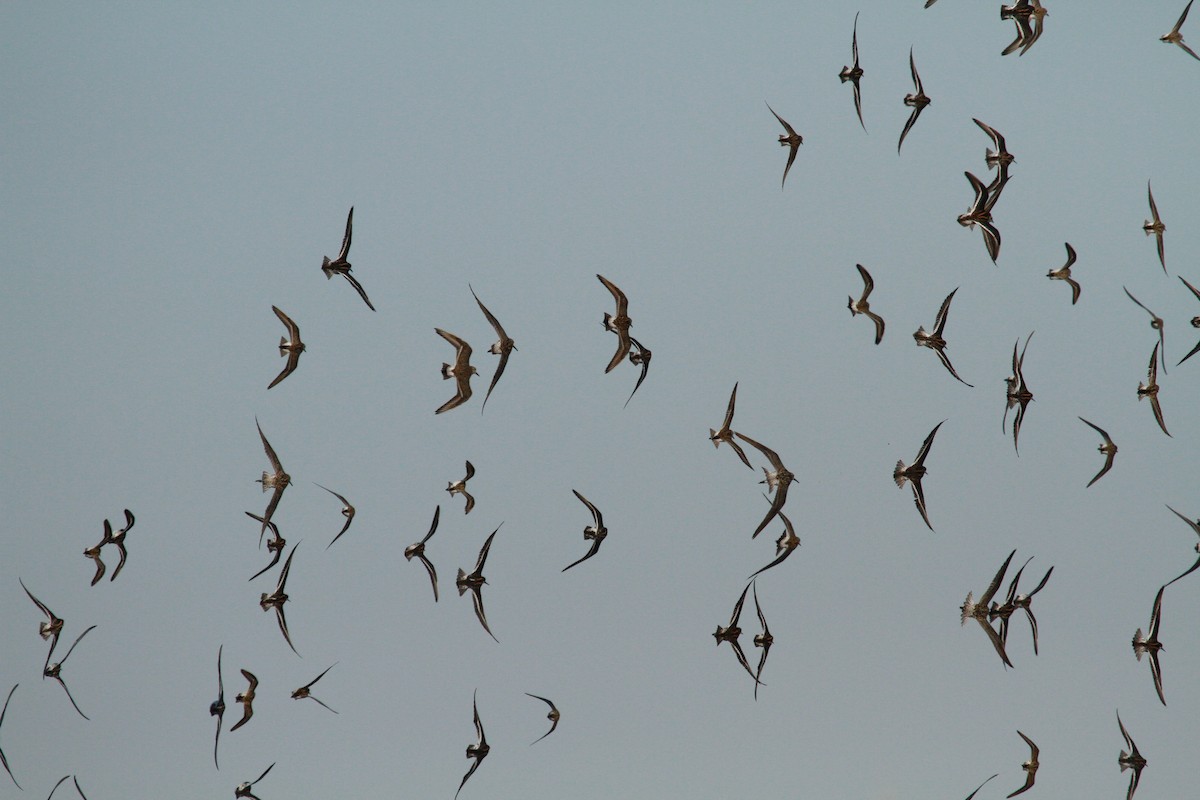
445,370
325,268
1124,766
462,587
898,474
712,437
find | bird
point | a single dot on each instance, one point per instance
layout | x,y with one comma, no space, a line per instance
217,707
1063,273
790,140
1195,320
916,100
1175,37
340,266
276,481
348,512
553,716
639,356
935,341
763,640
617,323
503,347
862,306
1000,157
1156,226
731,632
1150,389
980,214
980,786
777,480
289,346
1108,448
51,627
1195,526
725,434
475,581
460,487
854,74
94,553
1025,603
118,539
1149,643
1020,393
418,550
596,531
1132,760
1156,322
55,671
3,759
277,598
1023,12
243,789
784,545
979,610
1030,766
274,545
246,698
915,472
477,751
461,371
306,690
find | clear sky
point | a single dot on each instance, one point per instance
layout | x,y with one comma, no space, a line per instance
170,173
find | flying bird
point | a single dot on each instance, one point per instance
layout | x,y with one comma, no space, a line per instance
340,266
461,371
503,347
553,716
1063,273
217,707
274,545
979,610
777,480
617,323
915,472
1149,643
475,581
1195,526
1030,766
276,481
862,306
305,691
763,640
1023,602
1156,322
1175,37
854,75
1156,226
1028,16
277,598
596,531
1130,760
289,346
639,356
1108,448
1000,157
348,512
460,487
980,214
418,550
784,545
3,759
93,552
790,140
1020,394
1195,321
48,629
246,698
243,789
731,632
118,539
725,434
935,341
54,671
915,100
477,751
1150,389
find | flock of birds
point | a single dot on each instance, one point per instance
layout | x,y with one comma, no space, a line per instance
992,615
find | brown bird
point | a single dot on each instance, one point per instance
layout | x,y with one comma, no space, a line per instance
1156,323
1132,760
1030,766
291,347
617,323
915,472
1150,389
553,716
1063,273
305,691
731,632
935,341
274,544
1155,226
475,581
790,140
461,371
277,598
348,512
418,550
1108,448
460,487
854,74
777,480
477,751
725,434
503,347
916,100
277,481
246,698
51,627
862,306
340,266
54,671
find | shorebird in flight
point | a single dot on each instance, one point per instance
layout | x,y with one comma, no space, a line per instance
617,323
54,671
289,346
475,581
1030,766
1149,643
276,481
731,632
277,598
790,140
1195,526
1175,37
596,531
1155,226
862,306
980,213
340,266
502,347
305,691
243,789
935,341
553,716
639,356
461,371
1195,321
118,540
1019,394
725,434
979,610
854,74
51,627
1130,760
477,751
915,471
418,551
916,100
1150,389
246,698
1108,448
1063,273
784,545
348,512
763,640
1156,323
274,545
217,707
460,487
777,480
